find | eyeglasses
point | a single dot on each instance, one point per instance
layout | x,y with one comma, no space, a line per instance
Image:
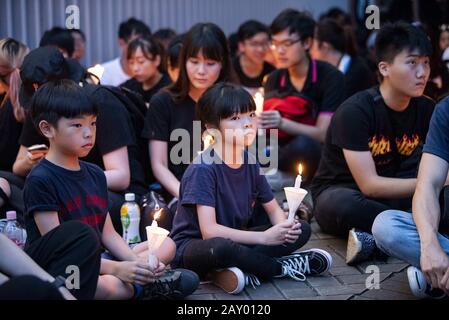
284,44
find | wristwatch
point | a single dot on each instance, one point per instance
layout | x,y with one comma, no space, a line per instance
59,282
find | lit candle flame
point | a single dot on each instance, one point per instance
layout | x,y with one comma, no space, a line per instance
157,215
300,169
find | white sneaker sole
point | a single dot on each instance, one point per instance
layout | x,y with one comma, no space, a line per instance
416,280
231,280
354,247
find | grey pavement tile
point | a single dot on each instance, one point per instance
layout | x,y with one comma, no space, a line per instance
360,278
341,290
289,284
266,291
396,286
345,270
225,296
334,297
328,281
387,295
206,288
201,297
299,293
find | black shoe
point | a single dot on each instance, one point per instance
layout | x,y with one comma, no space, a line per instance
361,247
308,262
173,285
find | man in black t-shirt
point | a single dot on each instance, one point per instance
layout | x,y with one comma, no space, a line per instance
374,143
301,97
250,65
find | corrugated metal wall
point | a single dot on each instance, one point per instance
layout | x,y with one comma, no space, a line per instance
26,20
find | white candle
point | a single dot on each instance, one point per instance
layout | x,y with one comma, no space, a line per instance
258,99
298,177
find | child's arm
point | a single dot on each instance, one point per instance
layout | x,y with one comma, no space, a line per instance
274,212
115,244
275,235
159,164
46,221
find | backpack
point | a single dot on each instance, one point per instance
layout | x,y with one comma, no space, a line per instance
291,104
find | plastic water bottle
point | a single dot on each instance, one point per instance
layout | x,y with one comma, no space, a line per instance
130,217
13,230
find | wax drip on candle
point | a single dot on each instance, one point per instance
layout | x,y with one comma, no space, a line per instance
299,177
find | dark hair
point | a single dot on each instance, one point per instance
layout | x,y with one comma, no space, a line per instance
81,33
209,38
296,22
165,34
60,98
340,37
222,101
233,43
131,27
338,15
250,28
174,50
393,38
58,37
148,45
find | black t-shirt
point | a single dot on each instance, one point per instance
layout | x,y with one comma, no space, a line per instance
163,117
358,77
9,136
324,86
248,82
395,139
75,195
136,86
114,131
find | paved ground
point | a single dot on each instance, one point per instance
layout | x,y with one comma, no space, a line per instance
341,283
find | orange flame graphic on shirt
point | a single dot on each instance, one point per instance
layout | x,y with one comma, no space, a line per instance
407,145
379,146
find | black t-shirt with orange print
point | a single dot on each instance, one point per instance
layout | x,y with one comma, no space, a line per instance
365,123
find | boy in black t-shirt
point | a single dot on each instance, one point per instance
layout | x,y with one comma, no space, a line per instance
250,65
301,97
62,188
374,143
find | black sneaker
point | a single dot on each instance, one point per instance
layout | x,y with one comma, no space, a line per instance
172,285
419,286
308,262
361,246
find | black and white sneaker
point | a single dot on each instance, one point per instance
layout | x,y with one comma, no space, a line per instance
308,262
419,286
361,246
172,285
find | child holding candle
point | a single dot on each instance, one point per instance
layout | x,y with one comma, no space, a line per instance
217,197
62,188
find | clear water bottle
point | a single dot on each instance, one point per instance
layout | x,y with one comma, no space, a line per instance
13,230
130,217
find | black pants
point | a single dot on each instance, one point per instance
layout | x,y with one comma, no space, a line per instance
339,209
203,256
28,288
73,243
300,149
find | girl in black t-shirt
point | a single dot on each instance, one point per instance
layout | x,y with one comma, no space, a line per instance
204,60
145,58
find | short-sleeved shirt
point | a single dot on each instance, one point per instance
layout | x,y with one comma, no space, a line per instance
232,192
324,86
358,77
114,131
113,73
437,141
9,136
248,82
136,86
74,195
361,123
164,116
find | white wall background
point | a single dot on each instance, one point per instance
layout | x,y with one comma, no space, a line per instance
26,20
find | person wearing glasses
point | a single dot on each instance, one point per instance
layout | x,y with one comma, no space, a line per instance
253,44
300,97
